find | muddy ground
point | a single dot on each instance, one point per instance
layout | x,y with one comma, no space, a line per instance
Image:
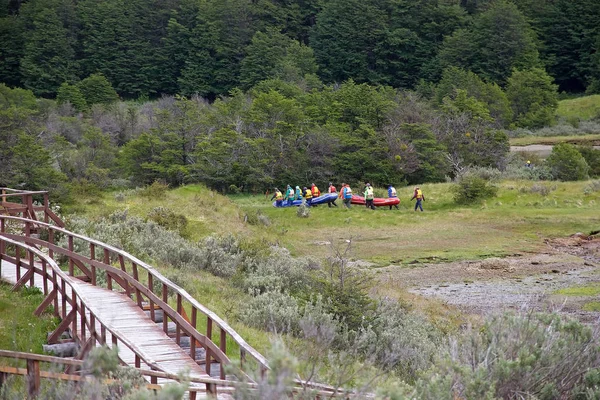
519,281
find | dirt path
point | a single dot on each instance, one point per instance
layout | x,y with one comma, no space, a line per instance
526,280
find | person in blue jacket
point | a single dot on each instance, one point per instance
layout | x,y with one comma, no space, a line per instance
393,195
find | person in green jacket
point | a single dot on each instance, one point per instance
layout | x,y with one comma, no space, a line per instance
298,195
289,195
369,196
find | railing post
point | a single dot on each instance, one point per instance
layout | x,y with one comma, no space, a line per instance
31,267
165,297
33,378
177,328
138,295
46,207
223,347
18,261
92,266
70,241
93,329
55,287
150,286
44,277
192,340
2,246
127,287
107,262
102,335
63,286
82,317
207,361
51,241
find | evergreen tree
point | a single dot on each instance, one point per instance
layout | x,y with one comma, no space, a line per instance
499,40
12,42
49,53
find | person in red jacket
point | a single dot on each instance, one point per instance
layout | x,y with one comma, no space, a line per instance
331,189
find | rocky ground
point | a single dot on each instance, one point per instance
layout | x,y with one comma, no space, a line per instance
519,281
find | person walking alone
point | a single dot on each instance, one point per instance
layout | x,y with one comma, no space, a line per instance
331,189
392,195
418,194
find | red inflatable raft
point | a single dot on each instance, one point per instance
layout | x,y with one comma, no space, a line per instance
377,201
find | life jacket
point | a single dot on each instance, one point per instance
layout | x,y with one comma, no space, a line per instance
332,189
419,194
291,194
348,192
308,194
369,193
315,191
278,195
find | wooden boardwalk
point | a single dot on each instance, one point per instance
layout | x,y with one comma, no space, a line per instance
127,321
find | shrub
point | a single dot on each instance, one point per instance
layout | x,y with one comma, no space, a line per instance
594,186
272,311
96,89
592,157
472,189
541,189
158,189
567,164
168,219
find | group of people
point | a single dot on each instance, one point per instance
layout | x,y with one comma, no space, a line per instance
345,194
292,194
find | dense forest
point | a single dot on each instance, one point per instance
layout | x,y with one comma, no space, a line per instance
243,94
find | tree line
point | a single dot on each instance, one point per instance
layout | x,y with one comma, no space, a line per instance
207,47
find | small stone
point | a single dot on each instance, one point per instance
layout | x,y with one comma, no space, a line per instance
555,271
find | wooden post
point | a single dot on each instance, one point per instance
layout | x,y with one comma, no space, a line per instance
93,267
2,230
107,262
102,335
151,286
33,378
223,347
63,286
137,361
242,358
165,296
207,361
127,287
55,287
178,329
93,329
45,276
18,261
31,267
74,308
82,321
192,340
51,241
70,259
138,295
46,207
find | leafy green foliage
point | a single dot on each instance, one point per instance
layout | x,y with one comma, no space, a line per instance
71,94
567,164
592,158
533,97
96,89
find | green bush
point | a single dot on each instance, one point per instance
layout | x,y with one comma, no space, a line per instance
168,219
157,190
96,89
592,157
472,189
567,164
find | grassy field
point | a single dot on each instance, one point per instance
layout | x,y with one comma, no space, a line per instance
552,140
19,329
517,221
582,107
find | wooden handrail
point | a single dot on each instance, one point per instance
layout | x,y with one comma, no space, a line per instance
244,346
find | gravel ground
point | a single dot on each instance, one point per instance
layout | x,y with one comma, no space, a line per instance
524,280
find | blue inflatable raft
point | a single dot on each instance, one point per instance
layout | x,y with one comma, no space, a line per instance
322,199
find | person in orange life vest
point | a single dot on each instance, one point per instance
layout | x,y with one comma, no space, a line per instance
369,196
346,195
392,195
418,194
315,192
278,196
331,189
307,195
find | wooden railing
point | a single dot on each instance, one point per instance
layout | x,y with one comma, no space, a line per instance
27,206
34,373
138,280
80,319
